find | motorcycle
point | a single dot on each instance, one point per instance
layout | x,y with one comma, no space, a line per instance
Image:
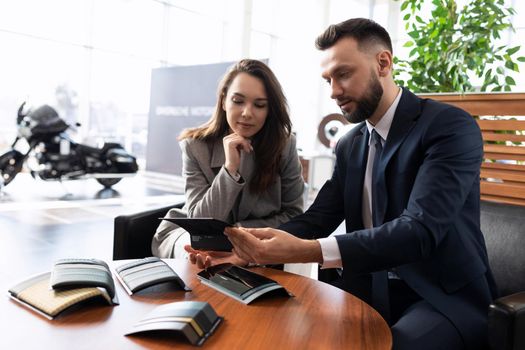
52,155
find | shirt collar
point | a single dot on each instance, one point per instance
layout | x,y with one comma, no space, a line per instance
384,124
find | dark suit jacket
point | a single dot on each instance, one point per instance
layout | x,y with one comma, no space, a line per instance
430,233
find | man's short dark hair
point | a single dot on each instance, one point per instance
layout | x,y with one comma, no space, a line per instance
363,30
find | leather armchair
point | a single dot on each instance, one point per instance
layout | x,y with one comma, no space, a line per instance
133,233
503,227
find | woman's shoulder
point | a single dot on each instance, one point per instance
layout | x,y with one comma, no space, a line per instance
290,145
193,144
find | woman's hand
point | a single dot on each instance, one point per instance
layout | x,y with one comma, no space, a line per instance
205,259
233,144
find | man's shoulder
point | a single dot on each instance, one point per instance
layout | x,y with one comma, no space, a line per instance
357,130
435,117
431,106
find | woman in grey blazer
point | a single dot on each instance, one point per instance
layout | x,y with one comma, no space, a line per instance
242,165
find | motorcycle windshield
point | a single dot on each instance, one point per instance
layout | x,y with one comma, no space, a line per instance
45,120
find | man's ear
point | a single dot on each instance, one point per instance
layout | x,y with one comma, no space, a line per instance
384,58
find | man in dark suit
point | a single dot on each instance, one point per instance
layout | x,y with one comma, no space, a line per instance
406,181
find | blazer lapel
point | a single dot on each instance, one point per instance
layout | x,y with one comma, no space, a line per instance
217,158
247,197
356,167
404,120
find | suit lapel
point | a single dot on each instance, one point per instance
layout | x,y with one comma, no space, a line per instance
408,110
356,167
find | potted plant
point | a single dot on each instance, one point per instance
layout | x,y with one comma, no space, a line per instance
450,45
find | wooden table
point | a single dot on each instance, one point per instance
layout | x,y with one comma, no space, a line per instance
320,316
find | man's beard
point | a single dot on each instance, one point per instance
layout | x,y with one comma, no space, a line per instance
367,105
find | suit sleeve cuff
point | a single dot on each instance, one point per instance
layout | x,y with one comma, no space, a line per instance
331,253
236,177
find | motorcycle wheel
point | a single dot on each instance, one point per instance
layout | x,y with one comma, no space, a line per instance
108,182
10,165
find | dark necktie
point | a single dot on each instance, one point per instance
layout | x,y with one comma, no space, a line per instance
376,192
380,299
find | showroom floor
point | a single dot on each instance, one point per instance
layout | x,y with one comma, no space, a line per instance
41,222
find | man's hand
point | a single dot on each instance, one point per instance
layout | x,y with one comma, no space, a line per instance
233,144
272,246
205,259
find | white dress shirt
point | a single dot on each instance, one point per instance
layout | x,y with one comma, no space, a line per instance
329,246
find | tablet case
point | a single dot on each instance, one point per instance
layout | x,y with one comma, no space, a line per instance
143,273
205,233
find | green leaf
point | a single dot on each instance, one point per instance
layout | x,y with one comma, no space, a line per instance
512,51
409,44
511,65
414,34
406,17
509,80
404,5
521,59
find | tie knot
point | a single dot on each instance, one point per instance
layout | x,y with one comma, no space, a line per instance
376,138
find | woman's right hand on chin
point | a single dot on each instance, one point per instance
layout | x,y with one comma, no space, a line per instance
207,258
233,144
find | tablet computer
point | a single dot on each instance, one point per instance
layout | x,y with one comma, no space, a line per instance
205,233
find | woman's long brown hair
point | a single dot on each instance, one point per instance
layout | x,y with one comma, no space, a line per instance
269,142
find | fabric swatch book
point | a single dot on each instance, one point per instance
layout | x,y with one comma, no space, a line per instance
194,320
240,283
79,273
37,294
140,274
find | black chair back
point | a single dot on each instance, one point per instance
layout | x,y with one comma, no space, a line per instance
503,226
133,233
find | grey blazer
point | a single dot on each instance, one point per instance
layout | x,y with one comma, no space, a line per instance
212,192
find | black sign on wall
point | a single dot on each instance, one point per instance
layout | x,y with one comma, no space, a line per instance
181,97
